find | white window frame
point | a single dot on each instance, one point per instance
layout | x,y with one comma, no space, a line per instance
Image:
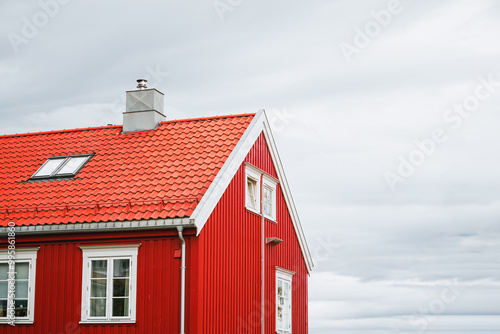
110,253
24,255
285,276
252,173
65,160
271,184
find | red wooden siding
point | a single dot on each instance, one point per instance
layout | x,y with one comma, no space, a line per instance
230,268
223,276
59,284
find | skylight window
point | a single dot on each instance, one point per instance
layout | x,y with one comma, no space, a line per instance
65,166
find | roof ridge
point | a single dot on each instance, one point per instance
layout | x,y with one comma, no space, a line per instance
120,126
59,131
208,117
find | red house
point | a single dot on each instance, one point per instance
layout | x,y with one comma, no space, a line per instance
178,226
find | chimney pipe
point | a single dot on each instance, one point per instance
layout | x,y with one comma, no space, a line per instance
141,84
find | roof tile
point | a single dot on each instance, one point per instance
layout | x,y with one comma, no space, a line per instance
160,173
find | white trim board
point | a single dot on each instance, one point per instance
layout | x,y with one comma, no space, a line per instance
219,185
107,253
22,255
260,124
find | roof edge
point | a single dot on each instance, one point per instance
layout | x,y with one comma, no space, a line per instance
120,125
288,195
260,124
59,131
218,186
207,118
102,226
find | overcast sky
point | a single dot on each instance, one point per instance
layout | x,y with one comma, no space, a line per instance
385,114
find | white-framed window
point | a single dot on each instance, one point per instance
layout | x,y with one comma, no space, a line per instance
252,178
283,300
63,166
109,284
269,197
23,273
256,181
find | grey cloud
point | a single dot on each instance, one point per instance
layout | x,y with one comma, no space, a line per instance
347,125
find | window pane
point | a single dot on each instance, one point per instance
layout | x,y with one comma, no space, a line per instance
21,307
280,317
99,269
286,289
120,307
250,186
251,193
267,201
267,209
3,308
280,288
22,270
3,289
98,307
22,289
4,268
98,288
49,167
121,268
251,201
120,287
72,165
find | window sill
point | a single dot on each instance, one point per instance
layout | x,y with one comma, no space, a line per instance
272,220
269,219
16,322
252,210
104,322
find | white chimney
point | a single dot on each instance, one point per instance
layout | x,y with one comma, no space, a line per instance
144,110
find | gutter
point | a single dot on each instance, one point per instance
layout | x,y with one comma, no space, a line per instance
107,226
183,279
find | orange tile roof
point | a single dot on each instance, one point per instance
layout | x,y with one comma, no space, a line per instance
162,173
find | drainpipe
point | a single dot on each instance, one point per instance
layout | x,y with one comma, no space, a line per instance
263,260
183,278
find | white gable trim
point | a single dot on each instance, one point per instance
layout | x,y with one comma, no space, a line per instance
205,207
221,182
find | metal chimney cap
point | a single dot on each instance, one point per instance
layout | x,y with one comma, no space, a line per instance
142,84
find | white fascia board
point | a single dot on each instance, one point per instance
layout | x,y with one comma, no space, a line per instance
219,185
288,195
205,207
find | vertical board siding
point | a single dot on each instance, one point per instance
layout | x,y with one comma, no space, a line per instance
231,268
59,287
231,257
223,275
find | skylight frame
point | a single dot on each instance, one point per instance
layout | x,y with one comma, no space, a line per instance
66,159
